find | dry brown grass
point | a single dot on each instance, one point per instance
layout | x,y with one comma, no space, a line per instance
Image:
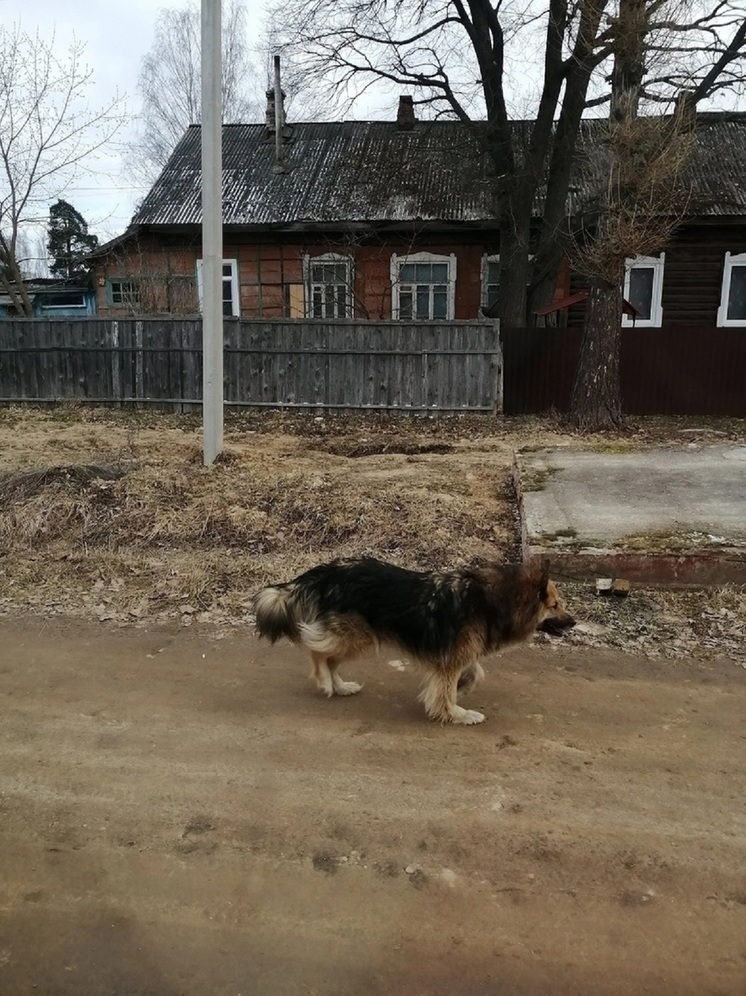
112,513
154,530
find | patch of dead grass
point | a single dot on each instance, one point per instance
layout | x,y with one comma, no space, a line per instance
160,536
159,530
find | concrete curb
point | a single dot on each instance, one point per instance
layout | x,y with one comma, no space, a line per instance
699,568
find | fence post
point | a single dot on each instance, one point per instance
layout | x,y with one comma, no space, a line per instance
116,357
139,365
500,377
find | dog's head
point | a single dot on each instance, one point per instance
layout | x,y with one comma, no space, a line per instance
553,617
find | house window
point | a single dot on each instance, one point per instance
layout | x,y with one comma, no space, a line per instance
124,293
328,282
643,288
231,308
423,287
70,300
491,280
732,309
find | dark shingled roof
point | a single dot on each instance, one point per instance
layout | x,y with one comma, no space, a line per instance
369,171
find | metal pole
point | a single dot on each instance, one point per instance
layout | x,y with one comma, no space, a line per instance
212,233
278,116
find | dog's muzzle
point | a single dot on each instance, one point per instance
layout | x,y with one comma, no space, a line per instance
556,627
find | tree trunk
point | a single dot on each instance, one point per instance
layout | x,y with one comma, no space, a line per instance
515,231
596,396
13,283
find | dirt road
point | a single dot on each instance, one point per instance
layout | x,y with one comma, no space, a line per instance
181,813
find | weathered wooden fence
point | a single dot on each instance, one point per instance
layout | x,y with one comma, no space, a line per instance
674,370
453,366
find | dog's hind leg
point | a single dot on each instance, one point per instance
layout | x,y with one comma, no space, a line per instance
322,674
438,695
341,687
328,680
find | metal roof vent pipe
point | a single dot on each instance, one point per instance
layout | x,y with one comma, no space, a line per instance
405,119
275,119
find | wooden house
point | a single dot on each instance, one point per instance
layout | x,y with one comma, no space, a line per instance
394,220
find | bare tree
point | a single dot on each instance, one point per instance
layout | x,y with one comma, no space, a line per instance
457,56
170,83
31,254
48,134
466,58
645,198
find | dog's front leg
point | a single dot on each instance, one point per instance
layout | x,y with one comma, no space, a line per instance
438,695
469,677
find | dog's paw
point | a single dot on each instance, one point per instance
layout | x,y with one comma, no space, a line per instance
347,688
469,717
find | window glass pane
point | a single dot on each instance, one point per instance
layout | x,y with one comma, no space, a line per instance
407,273
341,301
737,294
64,301
405,304
423,273
227,297
440,302
439,273
493,272
641,290
317,307
227,270
423,302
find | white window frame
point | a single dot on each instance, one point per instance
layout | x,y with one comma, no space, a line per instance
731,261
335,258
423,257
487,258
235,290
658,265
131,298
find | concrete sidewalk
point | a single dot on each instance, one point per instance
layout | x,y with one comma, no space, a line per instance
661,516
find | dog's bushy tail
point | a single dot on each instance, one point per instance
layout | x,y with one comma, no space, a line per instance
273,608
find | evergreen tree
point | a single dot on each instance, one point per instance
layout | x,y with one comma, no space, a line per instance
68,241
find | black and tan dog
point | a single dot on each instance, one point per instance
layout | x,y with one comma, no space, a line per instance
444,621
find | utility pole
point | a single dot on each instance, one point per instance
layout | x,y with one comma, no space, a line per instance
212,233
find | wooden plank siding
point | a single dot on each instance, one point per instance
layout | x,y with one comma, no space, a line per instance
394,366
692,275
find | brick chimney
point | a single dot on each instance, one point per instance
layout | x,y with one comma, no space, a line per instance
405,119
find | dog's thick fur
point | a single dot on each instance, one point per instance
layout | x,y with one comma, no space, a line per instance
444,621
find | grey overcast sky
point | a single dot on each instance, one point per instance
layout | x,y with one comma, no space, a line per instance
116,36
